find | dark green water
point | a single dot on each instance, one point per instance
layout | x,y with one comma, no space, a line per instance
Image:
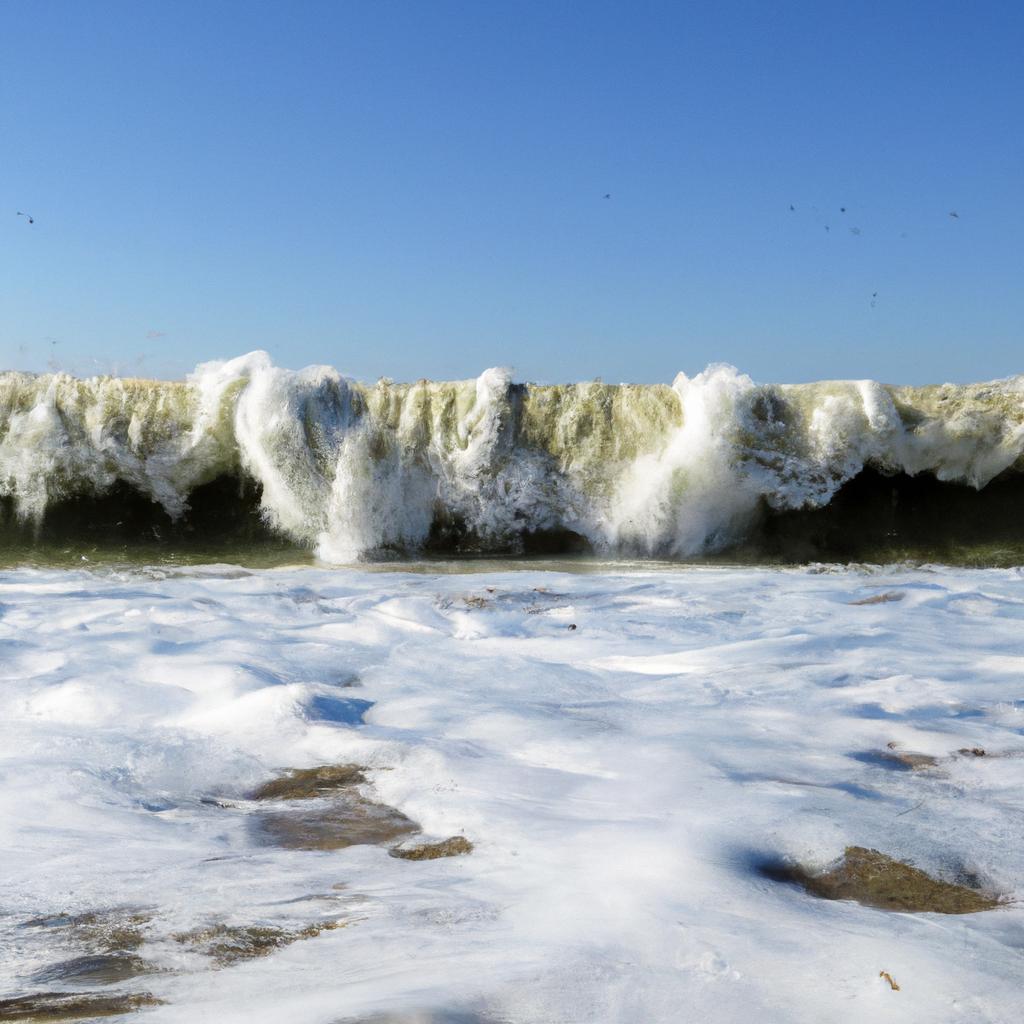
873,520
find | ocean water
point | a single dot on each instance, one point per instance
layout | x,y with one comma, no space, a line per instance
633,644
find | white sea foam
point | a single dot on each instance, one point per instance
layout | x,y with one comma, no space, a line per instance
620,781
350,469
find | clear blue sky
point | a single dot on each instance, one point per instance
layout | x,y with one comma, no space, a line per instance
416,188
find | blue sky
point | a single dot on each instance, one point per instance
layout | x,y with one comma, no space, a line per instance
416,189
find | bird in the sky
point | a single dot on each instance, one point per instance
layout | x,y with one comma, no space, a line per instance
954,214
842,209
31,220
792,208
607,195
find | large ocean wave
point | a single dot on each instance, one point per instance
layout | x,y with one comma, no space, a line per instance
352,470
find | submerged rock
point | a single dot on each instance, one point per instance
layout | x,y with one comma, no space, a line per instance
228,944
886,598
907,759
120,930
45,1007
896,760
877,880
333,814
351,821
96,969
453,847
425,1017
309,783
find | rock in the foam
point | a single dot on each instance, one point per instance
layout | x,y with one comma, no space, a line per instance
877,880
452,847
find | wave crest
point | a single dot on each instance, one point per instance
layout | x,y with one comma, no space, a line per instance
352,469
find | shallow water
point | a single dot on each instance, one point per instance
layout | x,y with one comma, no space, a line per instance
159,558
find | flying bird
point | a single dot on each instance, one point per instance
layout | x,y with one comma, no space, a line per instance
954,214
31,220
842,209
792,208
607,195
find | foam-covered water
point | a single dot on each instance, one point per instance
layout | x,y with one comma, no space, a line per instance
349,469
621,782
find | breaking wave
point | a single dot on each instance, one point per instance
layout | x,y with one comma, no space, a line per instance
353,470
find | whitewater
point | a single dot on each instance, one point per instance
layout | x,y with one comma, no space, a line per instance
622,783
349,470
